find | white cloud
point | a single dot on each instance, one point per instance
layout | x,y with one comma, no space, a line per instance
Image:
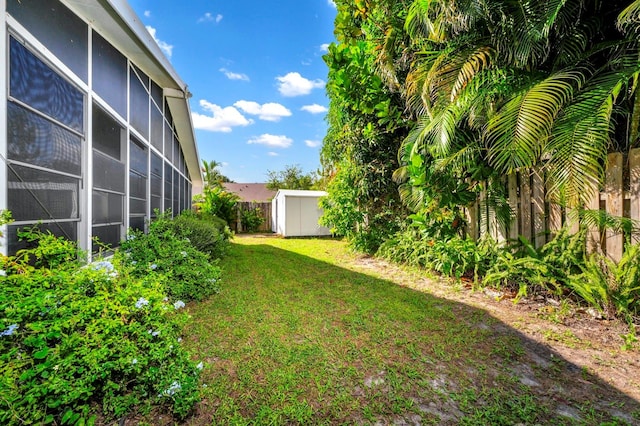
220,119
275,141
269,112
147,13
324,47
314,109
234,75
272,154
164,46
208,17
293,84
312,144
332,3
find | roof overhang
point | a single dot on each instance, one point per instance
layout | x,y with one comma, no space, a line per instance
117,22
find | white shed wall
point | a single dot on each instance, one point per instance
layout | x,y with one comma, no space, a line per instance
298,216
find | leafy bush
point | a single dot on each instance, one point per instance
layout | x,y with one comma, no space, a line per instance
453,257
548,268
48,251
220,224
190,274
204,236
217,202
82,338
252,219
612,288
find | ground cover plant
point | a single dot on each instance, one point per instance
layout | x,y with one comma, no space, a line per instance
297,337
560,269
84,343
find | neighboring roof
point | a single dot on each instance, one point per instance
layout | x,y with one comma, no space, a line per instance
116,21
300,193
250,191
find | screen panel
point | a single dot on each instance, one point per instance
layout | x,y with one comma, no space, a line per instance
36,84
58,28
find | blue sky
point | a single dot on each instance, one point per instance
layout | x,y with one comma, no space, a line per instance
256,74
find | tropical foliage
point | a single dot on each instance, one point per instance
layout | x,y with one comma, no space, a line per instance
95,343
448,97
366,128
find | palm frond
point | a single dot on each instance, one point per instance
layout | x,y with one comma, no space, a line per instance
478,60
629,19
516,135
419,22
581,136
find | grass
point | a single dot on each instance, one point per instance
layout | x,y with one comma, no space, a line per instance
297,338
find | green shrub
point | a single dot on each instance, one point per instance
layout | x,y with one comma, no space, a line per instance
215,201
190,274
549,268
455,257
252,219
610,287
46,250
88,340
204,236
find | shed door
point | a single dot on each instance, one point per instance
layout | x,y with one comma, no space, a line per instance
293,217
309,216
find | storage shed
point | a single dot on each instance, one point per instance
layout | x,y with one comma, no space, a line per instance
295,213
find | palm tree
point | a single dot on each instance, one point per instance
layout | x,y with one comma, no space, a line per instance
501,86
212,175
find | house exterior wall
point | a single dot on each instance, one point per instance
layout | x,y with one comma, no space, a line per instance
92,147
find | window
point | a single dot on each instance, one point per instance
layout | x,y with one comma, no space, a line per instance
156,183
137,184
156,127
35,84
176,192
59,29
109,74
139,101
108,178
168,141
45,125
38,141
168,186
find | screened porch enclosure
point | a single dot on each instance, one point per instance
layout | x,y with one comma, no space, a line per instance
91,146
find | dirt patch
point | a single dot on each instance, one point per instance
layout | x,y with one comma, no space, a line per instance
589,344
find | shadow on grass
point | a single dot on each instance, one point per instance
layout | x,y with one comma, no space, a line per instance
296,339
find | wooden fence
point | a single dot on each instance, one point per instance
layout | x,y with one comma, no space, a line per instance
537,219
265,208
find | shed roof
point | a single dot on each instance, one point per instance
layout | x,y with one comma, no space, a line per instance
117,22
300,193
250,191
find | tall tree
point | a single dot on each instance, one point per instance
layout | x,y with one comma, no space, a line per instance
292,177
213,177
366,126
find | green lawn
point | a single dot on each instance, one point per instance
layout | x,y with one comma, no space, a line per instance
295,337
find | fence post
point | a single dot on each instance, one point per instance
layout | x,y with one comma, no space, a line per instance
525,203
538,208
555,219
513,204
471,213
593,235
615,240
634,193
